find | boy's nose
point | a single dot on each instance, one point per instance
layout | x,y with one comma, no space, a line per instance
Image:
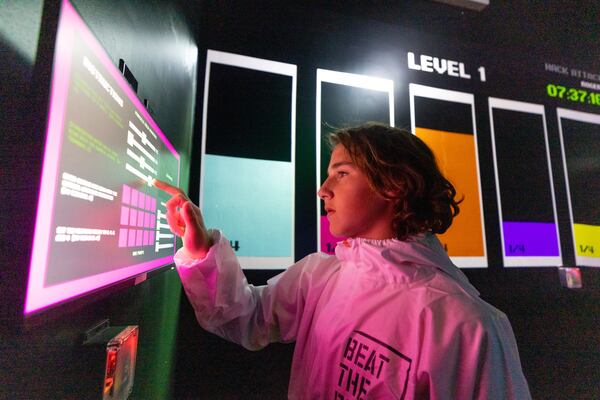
324,191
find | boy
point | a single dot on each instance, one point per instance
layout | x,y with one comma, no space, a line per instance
390,316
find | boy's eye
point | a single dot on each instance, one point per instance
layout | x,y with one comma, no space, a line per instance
342,173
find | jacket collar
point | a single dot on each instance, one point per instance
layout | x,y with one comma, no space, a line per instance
401,261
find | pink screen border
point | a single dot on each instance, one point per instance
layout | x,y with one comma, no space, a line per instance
38,296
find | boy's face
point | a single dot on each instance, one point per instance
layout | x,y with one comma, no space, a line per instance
353,208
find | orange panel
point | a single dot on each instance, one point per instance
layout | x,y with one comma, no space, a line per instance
455,154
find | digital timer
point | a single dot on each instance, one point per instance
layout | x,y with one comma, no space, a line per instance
572,94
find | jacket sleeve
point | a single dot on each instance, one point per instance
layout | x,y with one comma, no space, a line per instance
226,305
467,357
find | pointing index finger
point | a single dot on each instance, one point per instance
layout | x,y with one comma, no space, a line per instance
172,190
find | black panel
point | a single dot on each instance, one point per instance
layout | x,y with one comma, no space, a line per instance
442,115
249,113
344,106
522,167
582,151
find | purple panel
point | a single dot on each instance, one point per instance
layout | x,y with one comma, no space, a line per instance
151,236
139,240
522,239
146,238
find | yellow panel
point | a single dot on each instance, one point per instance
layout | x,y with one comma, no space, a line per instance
456,158
587,240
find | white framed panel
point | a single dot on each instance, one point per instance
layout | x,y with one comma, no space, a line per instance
540,239
256,211
468,258
385,86
586,237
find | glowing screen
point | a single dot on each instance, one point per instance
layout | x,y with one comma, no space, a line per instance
445,120
99,220
345,100
580,142
524,184
247,167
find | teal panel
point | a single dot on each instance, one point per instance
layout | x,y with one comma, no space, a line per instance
251,201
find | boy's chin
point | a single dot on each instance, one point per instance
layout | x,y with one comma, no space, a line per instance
338,233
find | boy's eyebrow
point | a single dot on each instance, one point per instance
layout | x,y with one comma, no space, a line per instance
341,163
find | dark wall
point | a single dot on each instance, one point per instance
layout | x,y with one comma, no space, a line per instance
557,329
42,356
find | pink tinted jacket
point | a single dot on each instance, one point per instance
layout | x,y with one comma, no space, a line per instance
383,319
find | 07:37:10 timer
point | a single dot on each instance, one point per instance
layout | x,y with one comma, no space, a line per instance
572,94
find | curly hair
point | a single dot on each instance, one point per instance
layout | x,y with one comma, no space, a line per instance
401,167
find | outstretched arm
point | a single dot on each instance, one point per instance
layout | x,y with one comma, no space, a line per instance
223,301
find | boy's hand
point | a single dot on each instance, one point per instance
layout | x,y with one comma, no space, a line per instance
185,220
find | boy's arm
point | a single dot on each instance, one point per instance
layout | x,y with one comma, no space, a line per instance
252,316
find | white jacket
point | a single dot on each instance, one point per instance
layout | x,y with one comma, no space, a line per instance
383,319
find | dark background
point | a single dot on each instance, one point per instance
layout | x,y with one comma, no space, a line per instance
558,330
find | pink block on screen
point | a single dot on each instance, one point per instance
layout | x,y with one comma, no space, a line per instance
122,237
139,237
151,236
153,204
133,217
131,238
134,197
141,218
124,215
147,220
126,194
153,224
327,237
146,238
149,200
141,200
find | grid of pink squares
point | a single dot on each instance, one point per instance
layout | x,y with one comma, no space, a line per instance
138,218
